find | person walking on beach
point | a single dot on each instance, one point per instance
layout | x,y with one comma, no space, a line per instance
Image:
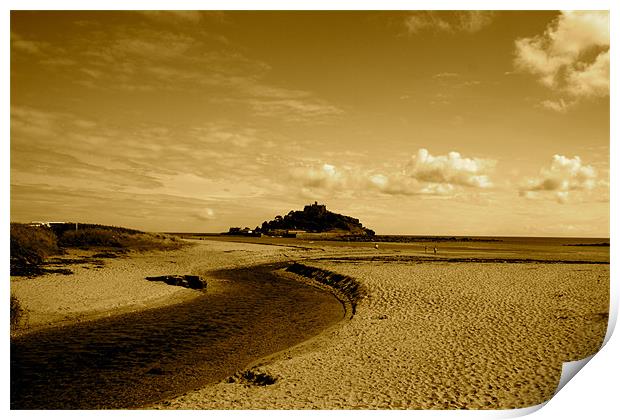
434,250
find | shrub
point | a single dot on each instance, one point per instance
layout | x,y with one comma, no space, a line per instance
17,312
60,228
30,244
147,241
91,237
117,238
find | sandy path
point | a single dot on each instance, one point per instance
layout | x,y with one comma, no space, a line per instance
437,335
119,287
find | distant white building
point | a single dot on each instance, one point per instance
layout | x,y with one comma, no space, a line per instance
50,224
45,224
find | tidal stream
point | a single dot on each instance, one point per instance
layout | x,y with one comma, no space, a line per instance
136,359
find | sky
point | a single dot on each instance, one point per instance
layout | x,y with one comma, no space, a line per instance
415,122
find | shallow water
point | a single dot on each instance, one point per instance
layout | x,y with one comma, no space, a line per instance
558,249
136,359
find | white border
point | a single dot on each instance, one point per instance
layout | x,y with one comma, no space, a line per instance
592,394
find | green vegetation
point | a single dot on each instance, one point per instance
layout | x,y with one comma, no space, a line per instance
316,218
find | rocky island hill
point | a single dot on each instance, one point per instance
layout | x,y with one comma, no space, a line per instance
313,220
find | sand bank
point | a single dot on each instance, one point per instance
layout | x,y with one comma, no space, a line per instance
436,335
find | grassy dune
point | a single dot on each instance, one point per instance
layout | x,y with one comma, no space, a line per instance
31,245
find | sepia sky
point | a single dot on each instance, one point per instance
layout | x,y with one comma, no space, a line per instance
442,123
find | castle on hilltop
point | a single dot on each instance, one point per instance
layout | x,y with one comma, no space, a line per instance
314,222
316,208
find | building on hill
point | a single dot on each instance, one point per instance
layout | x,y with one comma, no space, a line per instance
242,232
316,208
46,224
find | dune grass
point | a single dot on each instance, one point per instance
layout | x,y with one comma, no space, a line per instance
101,237
31,245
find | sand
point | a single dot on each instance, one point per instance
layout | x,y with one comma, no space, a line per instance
430,335
436,335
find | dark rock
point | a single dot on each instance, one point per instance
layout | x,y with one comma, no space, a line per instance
250,378
171,280
195,282
188,281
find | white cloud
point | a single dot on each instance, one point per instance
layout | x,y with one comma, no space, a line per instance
559,105
295,110
445,75
424,174
153,45
590,79
173,16
562,197
451,169
18,42
205,214
226,135
325,177
572,56
397,183
469,21
561,177
438,189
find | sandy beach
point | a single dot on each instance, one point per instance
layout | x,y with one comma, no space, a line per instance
430,335
437,336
